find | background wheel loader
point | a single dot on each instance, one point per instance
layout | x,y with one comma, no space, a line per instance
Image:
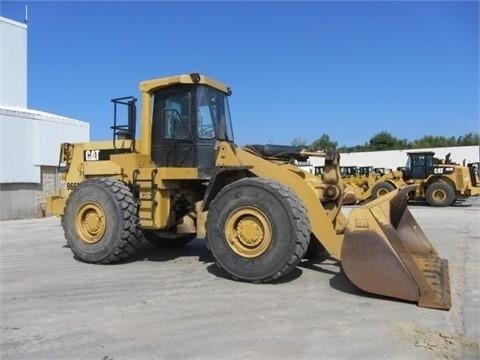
438,182
352,184
184,177
368,183
371,185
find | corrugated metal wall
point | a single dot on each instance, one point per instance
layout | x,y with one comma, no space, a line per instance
29,139
13,63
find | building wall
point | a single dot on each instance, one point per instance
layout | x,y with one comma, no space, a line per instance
16,201
50,183
29,153
13,63
30,138
396,158
27,200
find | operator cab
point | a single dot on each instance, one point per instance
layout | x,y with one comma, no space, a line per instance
189,114
419,165
365,170
348,171
380,171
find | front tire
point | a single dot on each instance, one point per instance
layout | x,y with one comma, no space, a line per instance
381,189
100,221
257,229
440,194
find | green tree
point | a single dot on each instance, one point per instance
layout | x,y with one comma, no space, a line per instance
434,141
469,139
404,144
384,141
323,143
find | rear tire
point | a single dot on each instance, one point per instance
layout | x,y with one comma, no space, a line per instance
257,229
440,193
101,221
156,239
381,189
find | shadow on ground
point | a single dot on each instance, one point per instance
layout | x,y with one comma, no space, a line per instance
194,249
197,249
214,269
340,281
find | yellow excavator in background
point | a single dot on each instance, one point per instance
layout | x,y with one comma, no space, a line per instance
185,178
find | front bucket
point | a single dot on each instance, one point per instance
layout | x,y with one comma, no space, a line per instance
385,252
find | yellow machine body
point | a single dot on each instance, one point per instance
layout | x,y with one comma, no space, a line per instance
264,208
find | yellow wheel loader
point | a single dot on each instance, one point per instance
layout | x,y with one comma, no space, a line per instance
365,183
381,184
438,182
184,177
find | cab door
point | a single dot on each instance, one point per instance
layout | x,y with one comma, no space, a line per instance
172,137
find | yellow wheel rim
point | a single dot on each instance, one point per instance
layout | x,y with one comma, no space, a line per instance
248,232
90,222
382,192
439,195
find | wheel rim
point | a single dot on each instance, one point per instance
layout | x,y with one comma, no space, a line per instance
439,195
248,232
90,222
382,192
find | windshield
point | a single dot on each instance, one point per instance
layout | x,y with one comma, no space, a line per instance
213,114
408,164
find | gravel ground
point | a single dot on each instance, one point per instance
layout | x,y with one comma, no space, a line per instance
176,304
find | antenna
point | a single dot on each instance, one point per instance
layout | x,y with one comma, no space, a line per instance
26,13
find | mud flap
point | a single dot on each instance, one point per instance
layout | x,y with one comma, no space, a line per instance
386,252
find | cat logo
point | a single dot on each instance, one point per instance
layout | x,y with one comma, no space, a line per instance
92,155
443,170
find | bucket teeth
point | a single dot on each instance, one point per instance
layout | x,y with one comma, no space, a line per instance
436,292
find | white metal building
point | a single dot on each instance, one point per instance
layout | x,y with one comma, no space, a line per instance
13,62
29,139
395,158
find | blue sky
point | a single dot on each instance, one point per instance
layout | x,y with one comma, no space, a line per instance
297,69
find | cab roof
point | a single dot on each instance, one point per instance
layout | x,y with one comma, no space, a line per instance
193,78
420,153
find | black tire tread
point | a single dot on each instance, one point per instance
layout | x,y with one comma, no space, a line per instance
299,215
131,235
383,184
445,186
